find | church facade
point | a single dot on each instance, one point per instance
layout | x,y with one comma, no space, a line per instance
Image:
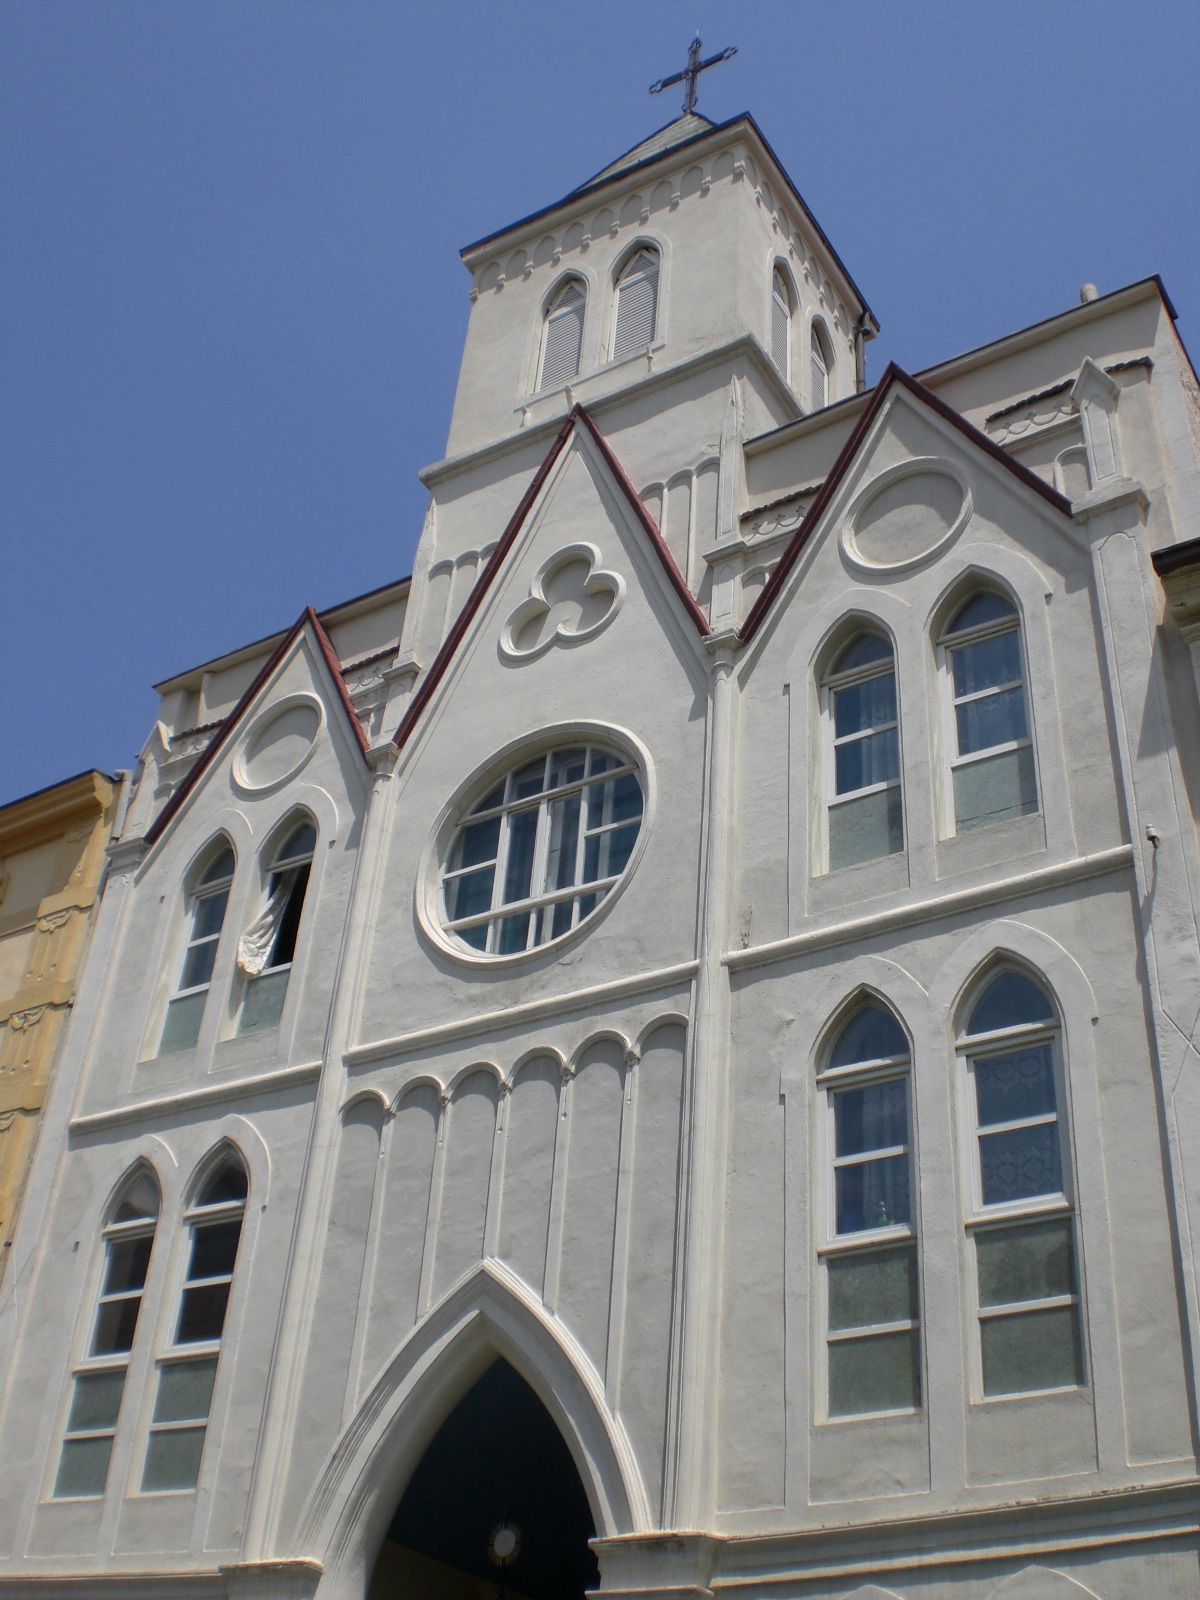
659,1055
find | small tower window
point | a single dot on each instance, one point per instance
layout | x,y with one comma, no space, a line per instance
820,367
266,949
782,306
636,315
208,902
562,336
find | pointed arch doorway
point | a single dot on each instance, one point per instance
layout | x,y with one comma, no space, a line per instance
495,1509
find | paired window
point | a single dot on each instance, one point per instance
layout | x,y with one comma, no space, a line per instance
635,315
865,815
820,367
562,335
209,900
540,850
783,304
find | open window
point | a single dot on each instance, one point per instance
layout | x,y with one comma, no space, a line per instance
267,947
864,811
562,335
206,916
635,315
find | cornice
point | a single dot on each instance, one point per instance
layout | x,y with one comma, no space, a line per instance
172,1105
49,811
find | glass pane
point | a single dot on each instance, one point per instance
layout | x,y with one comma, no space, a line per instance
564,840
994,789
866,828
127,1263
995,719
1021,1164
875,758
476,937
986,663
872,1194
471,895
876,1286
1029,1263
284,947
1018,1084
302,841
1032,1350
567,766
220,867
198,964
626,799
209,914
182,1026
173,1459
865,705
607,853
202,1314
96,1401
226,1184
82,1467
513,935
214,1248
522,828
600,761
872,1034
184,1391
529,779
860,652
139,1201
115,1325
1008,1001
980,608
263,1003
878,1373
492,799
873,1116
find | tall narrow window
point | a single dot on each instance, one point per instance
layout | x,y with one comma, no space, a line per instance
864,805
869,1256
636,315
1021,1223
820,367
206,916
188,1369
266,949
100,1378
782,306
992,766
562,336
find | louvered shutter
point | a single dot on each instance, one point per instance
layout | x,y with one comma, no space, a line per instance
781,317
562,338
637,305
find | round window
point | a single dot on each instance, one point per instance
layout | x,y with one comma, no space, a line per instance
541,848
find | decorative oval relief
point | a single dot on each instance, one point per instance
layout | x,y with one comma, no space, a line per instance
570,600
278,744
906,516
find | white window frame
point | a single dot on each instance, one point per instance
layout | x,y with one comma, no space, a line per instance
820,350
832,682
289,867
782,301
201,893
998,1216
555,310
947,645
625,277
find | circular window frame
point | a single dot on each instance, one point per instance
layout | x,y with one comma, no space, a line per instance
429,903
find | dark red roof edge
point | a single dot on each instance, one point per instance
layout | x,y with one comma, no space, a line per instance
894,375
498,556
307,616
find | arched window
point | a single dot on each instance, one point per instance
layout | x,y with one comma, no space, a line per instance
635,317
863,798
992,771
562,335
266,949
1021,1217
206,915
782,306
869,1254
820,367
100,1377
187,1369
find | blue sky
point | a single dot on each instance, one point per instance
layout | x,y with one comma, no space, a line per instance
232,306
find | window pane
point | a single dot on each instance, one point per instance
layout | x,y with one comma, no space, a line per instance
875,1286
127,1263
471,895
865,705
96,1401
994,789
872,1194
875,758
1008,1001
872,1034
182,1027
985,606
878,1373
1032,1350
214,1248
995,719
115,1327
202,1314
494,797
139,1201
173,1459
302,841
1017,1084
522,829
567,766
861,651
227,1183
866,828
184,1391
263,1004
284,947
529,779
986,663
871,1117
564,840
82,1467
1029,1263
209,914
513,935
1020,1164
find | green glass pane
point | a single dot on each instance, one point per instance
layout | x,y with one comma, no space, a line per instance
1031,1350
182,1027
875,1286
878,1373
866,828
173,1459
1027,1263
994,790
96,1401
184,1391
82,1467
263,1003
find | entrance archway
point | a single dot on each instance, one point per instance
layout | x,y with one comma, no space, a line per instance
495,1509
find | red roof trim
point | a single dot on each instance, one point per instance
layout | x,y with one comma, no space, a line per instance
499,555
307,617
893,376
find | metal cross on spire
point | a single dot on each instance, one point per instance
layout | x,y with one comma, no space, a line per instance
691,72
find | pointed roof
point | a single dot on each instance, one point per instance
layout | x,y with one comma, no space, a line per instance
307,618
894,377
686,127
577,417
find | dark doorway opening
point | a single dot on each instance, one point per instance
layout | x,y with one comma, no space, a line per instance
495,1510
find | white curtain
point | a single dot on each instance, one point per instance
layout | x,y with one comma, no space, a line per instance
254,946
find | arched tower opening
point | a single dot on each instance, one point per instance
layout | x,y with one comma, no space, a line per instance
494,1508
